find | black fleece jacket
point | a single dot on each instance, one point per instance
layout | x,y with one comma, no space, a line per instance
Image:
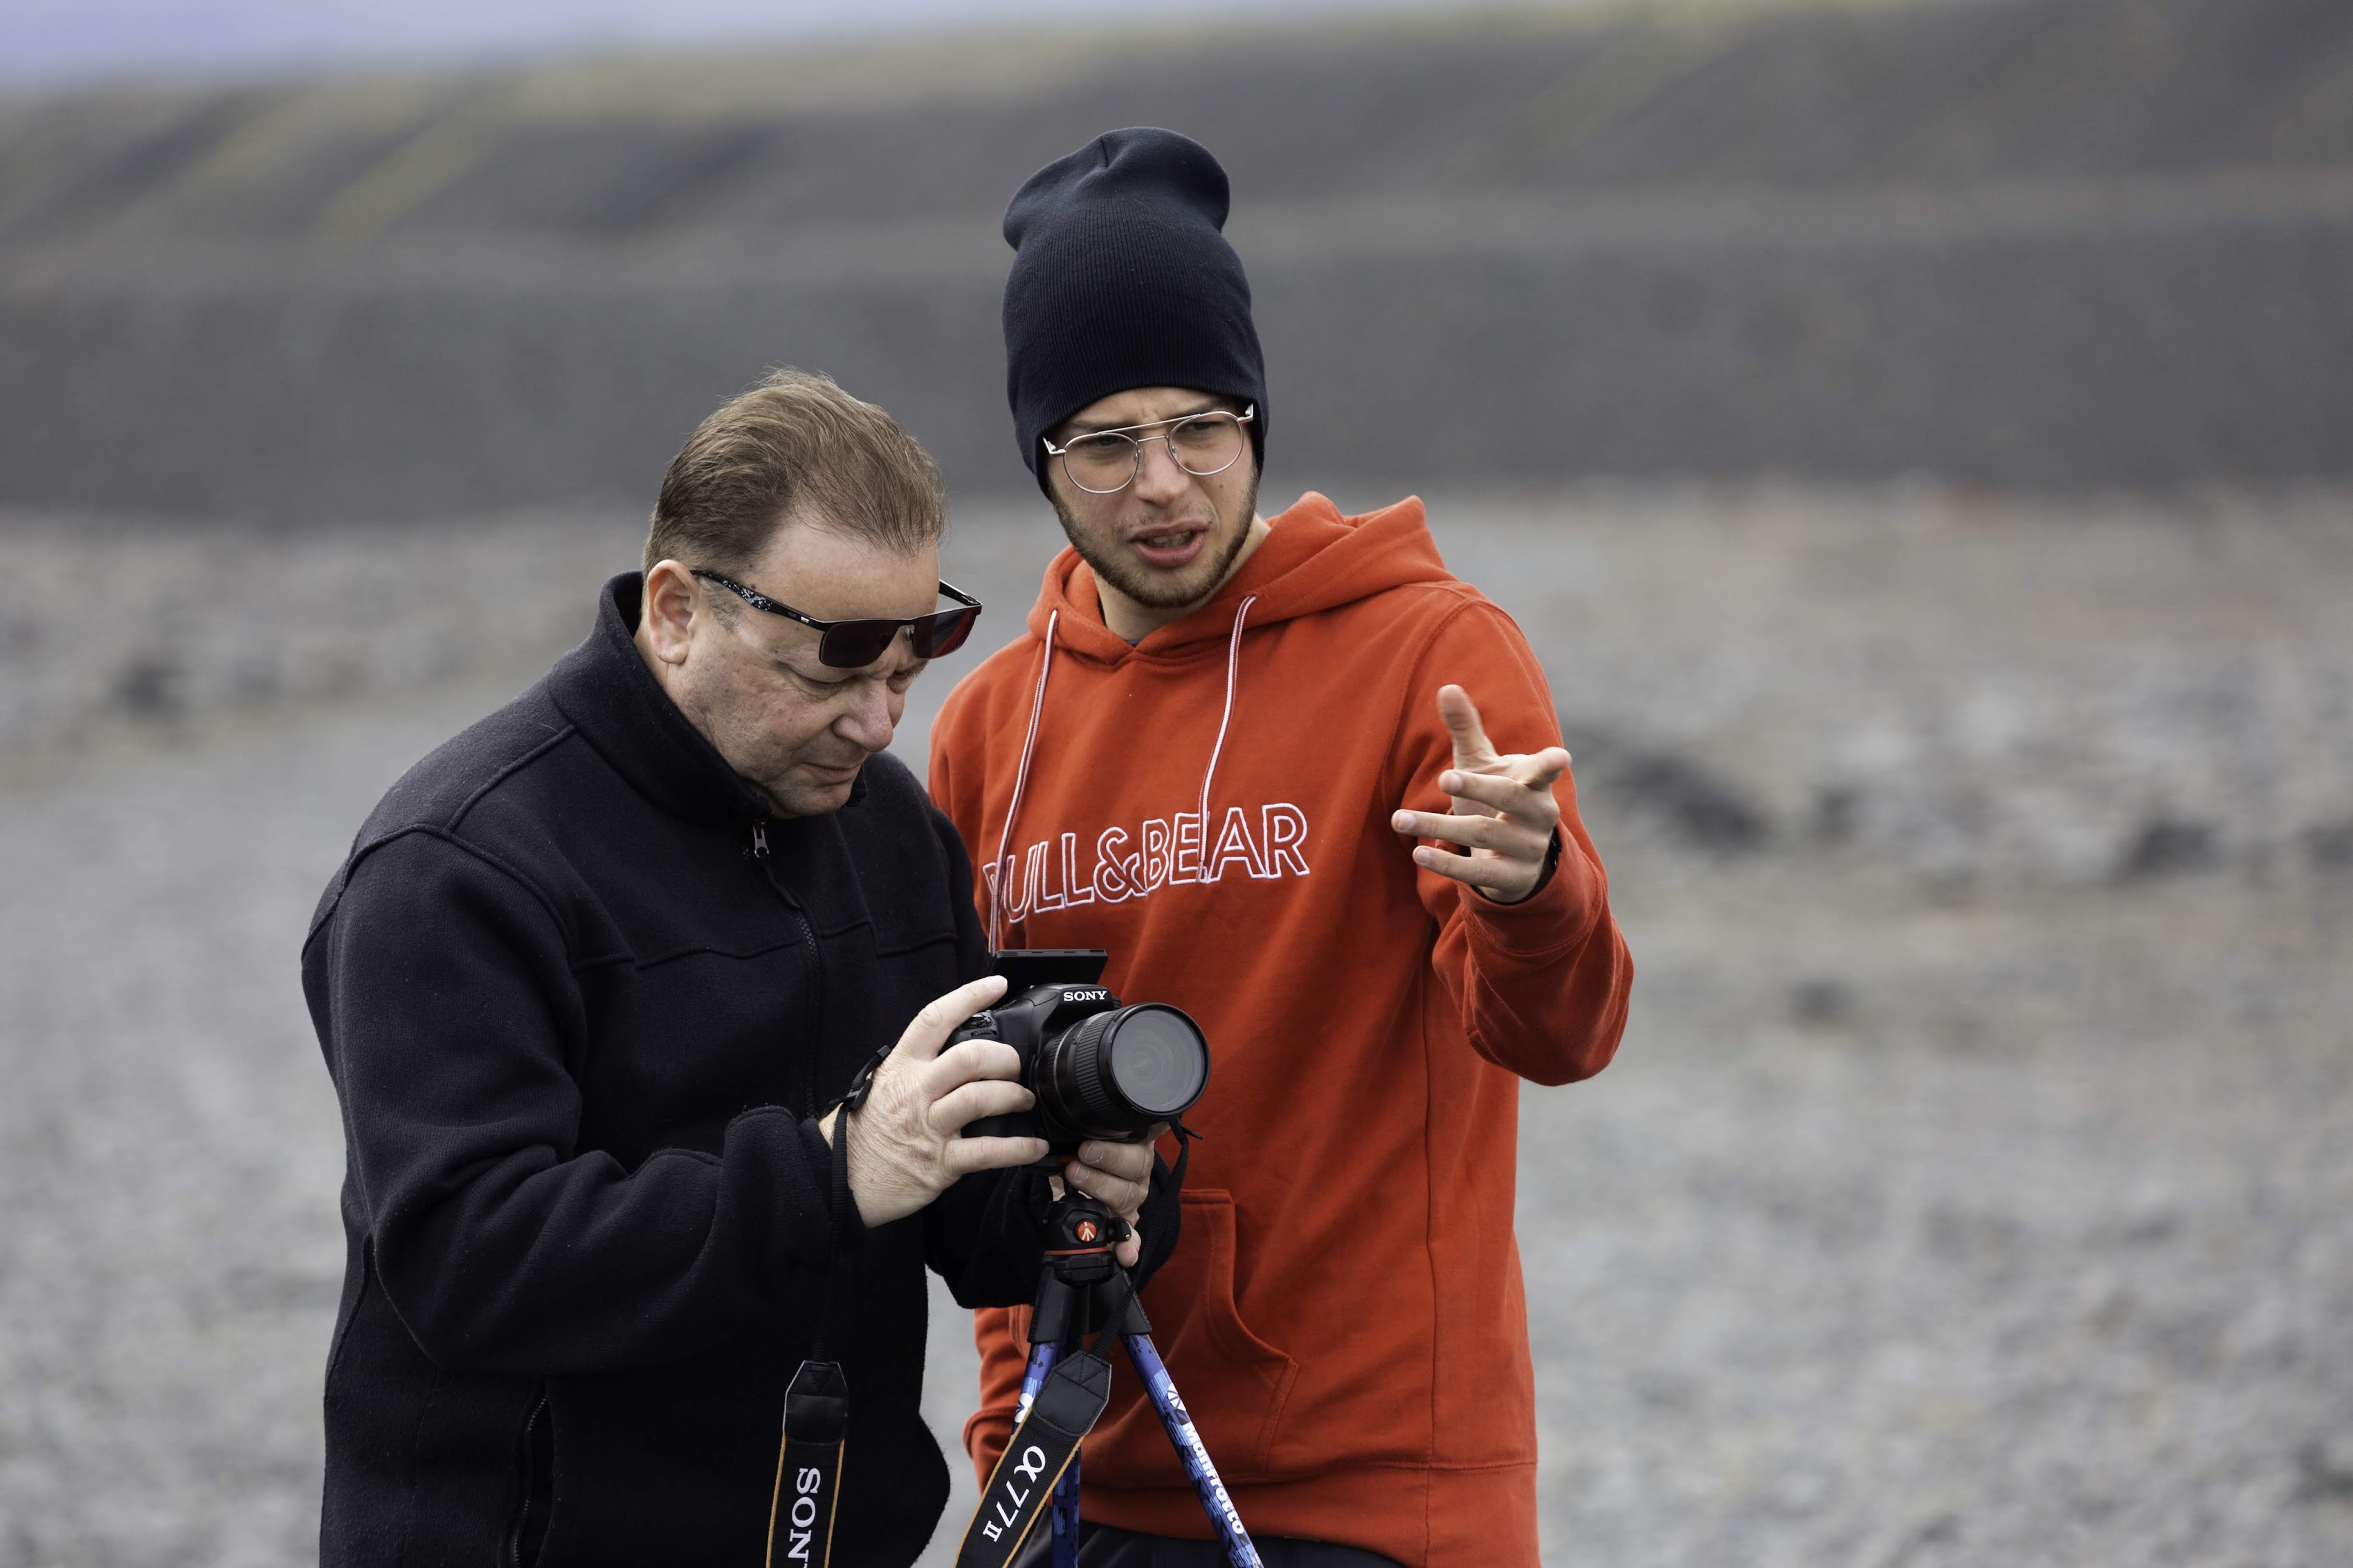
581,999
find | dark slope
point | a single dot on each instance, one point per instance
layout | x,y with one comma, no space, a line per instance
2063,242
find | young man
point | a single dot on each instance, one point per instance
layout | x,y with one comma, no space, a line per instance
1253,759
591,985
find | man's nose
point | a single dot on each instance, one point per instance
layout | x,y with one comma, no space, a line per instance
1157,475
870,718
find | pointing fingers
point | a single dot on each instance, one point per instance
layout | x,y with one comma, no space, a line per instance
1504,880
1542,770
1471,832
1460,716
1529,799
1503,814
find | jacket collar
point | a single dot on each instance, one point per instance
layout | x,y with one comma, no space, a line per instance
602,686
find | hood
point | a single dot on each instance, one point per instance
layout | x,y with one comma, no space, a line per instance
1315,558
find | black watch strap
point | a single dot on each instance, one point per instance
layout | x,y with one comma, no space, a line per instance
1543,877
1551,864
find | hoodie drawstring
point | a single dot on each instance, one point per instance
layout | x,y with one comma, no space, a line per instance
999,893
1233,675
1001,873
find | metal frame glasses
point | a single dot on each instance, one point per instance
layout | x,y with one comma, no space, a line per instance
1171,430
854,645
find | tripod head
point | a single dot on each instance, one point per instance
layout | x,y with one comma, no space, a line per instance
1079,1286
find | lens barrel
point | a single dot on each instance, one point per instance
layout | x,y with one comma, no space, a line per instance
1118,1074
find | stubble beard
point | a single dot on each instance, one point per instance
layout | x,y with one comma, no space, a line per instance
1162,590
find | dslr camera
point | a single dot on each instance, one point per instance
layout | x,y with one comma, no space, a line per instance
1100,1069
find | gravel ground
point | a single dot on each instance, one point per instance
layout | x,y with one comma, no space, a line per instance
2009,1231
1954,1200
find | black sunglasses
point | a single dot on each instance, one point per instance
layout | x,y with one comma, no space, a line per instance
854,645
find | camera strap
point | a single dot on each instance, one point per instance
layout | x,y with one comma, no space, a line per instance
816,1440
808,1467
1041,1448
1185,1139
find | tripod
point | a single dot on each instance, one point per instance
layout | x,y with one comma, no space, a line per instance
1081,1290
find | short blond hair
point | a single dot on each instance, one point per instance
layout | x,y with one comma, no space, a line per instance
795,447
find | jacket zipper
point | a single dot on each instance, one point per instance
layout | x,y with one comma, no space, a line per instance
530,1466
816,969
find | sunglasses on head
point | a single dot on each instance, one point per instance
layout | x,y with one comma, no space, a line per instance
854,645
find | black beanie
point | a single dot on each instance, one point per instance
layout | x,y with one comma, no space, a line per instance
1121,278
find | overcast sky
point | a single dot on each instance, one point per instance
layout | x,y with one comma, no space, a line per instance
54,41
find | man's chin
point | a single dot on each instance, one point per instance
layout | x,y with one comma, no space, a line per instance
1170,588
1158,590
1160,587
804,793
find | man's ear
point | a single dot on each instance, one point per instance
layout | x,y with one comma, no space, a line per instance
667,616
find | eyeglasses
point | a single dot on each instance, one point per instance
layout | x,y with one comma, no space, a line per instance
1105,462
854,645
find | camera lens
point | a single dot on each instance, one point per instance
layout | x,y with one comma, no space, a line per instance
1114,1075
1158,1061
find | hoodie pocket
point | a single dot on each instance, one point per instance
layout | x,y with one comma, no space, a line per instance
1233,1381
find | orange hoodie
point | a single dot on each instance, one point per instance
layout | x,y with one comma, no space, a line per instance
1344,1311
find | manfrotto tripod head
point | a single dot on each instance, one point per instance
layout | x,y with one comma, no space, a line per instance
1080,1288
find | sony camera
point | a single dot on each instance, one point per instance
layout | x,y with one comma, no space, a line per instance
1099,1069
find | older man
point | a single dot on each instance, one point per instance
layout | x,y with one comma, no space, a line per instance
591,986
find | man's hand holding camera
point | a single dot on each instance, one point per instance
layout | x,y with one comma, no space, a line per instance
1505,815
906,1146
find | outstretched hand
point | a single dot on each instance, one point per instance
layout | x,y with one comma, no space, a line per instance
1503,814
905,1142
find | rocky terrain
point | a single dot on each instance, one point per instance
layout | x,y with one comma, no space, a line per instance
1970,1189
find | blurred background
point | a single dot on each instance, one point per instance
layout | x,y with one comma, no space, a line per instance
1917,434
